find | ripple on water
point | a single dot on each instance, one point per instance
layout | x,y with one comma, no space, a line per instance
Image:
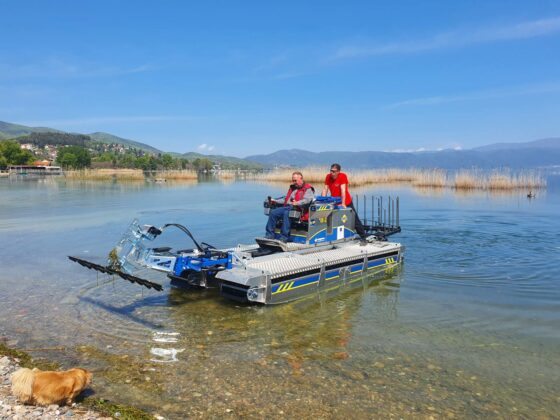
117,310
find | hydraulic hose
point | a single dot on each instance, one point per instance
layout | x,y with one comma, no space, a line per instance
188,232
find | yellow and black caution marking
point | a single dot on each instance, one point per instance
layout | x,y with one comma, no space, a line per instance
285,287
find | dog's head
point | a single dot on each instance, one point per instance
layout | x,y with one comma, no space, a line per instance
83,376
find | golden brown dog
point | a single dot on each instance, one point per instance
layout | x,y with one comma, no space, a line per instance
47,387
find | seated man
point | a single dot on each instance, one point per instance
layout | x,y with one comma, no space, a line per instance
299,194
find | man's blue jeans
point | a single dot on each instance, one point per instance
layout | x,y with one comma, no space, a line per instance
279,213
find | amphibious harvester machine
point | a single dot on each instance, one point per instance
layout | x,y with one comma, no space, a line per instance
323,252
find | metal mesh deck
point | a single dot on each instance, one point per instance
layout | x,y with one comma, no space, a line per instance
286,263
290,263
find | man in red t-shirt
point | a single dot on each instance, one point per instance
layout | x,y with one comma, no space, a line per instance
337,183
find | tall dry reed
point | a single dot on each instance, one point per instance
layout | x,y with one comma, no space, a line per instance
497,180
422,178
177,175
105,175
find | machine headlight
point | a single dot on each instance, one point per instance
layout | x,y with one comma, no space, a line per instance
253,293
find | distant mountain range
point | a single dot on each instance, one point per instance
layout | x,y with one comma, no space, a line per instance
9,130
534,154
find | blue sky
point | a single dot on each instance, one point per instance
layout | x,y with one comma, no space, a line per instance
242,78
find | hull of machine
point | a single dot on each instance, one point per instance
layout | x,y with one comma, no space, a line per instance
288,276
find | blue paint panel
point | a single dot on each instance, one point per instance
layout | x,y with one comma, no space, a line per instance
328,275
381,261
356,268
296,283
302,282
298,239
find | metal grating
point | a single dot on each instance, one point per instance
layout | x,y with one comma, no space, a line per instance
291,263
286,263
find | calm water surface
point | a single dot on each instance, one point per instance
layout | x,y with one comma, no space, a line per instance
470,326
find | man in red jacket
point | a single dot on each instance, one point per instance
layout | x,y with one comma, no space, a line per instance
299,194
337,183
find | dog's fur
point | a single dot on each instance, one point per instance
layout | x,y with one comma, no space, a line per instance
47,387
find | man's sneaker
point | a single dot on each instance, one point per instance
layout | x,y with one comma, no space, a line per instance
363,242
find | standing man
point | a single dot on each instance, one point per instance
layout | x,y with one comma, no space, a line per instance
337,183
299,194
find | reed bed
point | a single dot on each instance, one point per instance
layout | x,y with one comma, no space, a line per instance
311,175
432,178
497,180
105,175
421,178
176,175
226,175
130,175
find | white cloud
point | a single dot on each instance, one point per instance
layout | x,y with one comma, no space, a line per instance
455,39
542,88
205,148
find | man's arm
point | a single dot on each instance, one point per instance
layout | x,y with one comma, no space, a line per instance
343,195
325,190
307,198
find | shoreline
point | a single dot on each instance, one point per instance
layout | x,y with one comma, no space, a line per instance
85,407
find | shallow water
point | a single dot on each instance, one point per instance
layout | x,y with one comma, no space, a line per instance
469,326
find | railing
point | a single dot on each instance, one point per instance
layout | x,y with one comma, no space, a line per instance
383,216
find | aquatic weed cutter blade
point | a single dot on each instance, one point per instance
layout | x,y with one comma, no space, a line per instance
131,255
125,276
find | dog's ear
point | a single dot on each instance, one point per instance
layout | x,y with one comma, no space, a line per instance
35,370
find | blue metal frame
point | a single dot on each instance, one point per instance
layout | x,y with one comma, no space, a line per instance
200,263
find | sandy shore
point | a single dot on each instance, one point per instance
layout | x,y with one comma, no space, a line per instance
10,408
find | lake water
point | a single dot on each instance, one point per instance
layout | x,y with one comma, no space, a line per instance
469,326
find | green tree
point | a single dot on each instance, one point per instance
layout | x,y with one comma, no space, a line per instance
167,161
105,157
127,161
146,163
201,164
14,154
68,160
81,159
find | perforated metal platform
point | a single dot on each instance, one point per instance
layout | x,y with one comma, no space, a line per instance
287,263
